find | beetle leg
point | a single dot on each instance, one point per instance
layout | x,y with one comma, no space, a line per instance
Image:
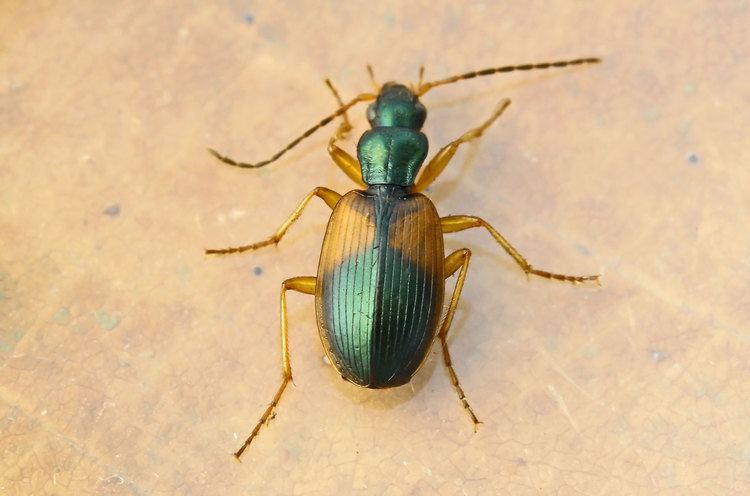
327,195
345,162
457,260
455,223
304,285
442,157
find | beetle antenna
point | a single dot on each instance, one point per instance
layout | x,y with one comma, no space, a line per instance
346,126
421,77
371,73
363,97
424,88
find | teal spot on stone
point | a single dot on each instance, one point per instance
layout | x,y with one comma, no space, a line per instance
684,128
106,320
9,339
590,351
184,273
650,115
62,316
551,343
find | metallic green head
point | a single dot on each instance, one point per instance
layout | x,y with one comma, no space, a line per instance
393,150
396,106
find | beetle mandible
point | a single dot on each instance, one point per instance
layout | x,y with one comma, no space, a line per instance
380,285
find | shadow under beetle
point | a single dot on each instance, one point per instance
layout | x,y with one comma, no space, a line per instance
380,286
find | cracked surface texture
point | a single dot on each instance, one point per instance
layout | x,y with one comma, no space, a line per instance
130,364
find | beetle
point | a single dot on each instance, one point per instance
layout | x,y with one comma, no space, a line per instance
380,288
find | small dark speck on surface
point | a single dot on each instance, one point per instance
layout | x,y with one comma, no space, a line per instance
248,18
583,250
658,355
693,159
258,271
112,210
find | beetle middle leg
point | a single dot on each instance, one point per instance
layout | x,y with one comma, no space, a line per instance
455,223
327,195
303,284
457,260
442,157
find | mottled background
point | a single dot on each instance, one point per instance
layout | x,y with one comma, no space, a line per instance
132,364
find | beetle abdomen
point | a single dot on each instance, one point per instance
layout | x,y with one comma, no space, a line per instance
380,285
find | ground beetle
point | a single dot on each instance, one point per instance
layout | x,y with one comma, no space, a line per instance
380,285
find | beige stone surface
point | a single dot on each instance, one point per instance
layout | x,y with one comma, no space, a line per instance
132,364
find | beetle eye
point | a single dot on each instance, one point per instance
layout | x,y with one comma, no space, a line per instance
372,113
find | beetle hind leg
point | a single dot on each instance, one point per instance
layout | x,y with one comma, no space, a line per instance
455,223
304,285
458,260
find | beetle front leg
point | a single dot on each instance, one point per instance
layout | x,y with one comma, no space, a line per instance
327,195
306,285
442,157
457,260
455,223
348,164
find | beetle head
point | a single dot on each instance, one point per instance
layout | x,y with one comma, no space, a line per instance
396,106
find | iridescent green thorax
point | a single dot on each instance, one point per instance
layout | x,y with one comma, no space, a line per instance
393,150
391,155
